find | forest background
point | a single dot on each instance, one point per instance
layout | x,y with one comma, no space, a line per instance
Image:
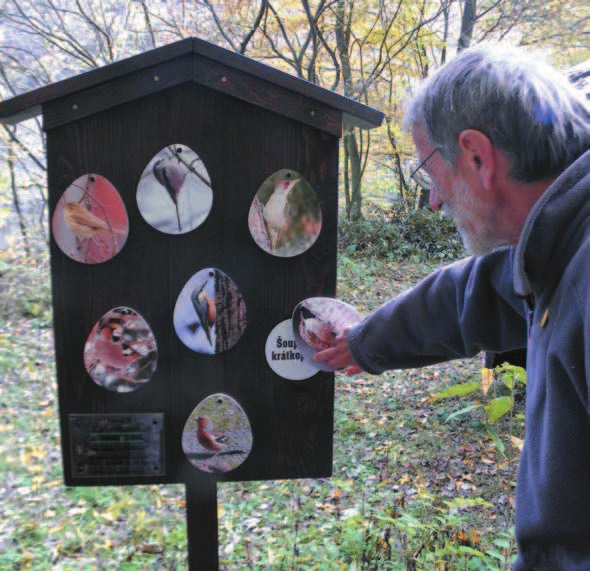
421,480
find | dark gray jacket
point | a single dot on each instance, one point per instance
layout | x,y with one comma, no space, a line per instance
536,294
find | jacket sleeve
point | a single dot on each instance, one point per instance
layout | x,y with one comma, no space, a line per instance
454,313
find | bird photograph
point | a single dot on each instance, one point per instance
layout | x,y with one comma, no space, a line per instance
90,223
120,353
316,333
174,193
217,436
285,218
209,438
317,322
209,315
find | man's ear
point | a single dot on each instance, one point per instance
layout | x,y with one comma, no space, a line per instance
478,153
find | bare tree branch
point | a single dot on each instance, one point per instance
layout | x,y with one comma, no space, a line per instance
220,26
23,147
257,21
148,22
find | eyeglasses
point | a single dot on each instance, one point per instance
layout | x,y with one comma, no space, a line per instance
420,176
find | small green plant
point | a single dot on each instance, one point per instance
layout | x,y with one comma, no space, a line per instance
509,377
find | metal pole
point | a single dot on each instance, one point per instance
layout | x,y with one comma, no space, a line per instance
201,524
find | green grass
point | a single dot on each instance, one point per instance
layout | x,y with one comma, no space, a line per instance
410,490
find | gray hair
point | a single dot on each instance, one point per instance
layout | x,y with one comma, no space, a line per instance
526,108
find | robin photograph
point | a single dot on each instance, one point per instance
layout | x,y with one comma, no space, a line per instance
217,436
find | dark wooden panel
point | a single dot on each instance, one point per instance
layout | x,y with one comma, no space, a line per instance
267,95
241,145
121,90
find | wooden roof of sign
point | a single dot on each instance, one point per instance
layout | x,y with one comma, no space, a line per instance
188,60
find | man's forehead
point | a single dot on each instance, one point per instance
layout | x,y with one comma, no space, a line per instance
421,141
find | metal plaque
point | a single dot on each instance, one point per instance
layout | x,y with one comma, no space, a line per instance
103,445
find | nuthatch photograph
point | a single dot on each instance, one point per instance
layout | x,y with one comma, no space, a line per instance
285,218
174,193
317,322
90,223
217,436
209,298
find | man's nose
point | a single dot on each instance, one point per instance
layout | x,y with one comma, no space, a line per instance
434,200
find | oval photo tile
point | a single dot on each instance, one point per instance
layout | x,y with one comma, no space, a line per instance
90,223
284,356
217,436
121,353
317,322
285,217
174,193
210,312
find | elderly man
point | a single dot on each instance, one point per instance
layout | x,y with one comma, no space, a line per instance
504,143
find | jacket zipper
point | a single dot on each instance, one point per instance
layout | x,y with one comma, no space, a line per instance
530,301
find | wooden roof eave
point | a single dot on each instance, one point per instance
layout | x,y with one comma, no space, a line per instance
145,73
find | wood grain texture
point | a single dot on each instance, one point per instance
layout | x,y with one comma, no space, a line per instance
268,95
241,145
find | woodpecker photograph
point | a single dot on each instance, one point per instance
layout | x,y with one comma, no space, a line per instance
317,322
121,353
285,218
217,436
174,193
210,313
90,223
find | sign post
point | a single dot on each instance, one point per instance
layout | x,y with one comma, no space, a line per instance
193,196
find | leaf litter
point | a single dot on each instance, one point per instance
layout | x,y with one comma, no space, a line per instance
408,488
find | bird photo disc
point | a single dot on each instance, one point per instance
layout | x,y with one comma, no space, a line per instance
90,223
317,322
284,355
210,312
174,192
217,436
121,352
285,218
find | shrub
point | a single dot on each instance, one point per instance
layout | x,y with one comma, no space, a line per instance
25,289
397,233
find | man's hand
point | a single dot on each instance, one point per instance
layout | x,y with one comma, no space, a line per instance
339,356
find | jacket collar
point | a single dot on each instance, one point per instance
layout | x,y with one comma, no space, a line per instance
551,232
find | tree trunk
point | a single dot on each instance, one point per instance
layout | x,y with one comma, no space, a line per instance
16,201
446,14
354,210
402,184
467,23
346,183
355,175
